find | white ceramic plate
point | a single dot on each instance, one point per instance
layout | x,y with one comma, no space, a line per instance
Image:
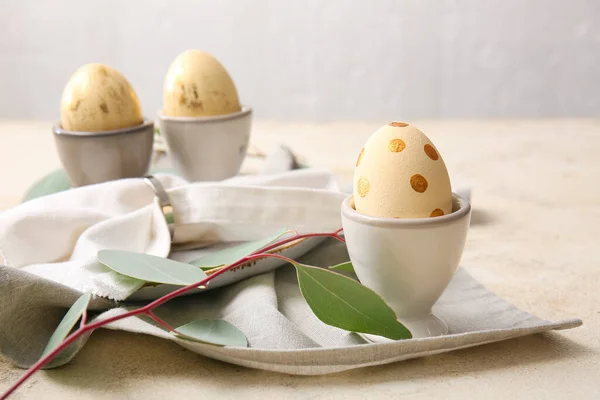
292,250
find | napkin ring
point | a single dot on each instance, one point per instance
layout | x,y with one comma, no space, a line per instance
164,202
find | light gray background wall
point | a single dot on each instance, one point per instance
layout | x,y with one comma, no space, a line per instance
319,59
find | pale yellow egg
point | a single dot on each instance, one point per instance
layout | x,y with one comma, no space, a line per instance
197,85
400,174
99,98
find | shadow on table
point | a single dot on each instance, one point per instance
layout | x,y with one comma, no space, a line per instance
115,361
481,217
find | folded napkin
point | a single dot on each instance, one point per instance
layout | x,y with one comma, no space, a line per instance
57,237
48,249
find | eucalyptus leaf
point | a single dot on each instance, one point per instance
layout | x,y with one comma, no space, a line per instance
342,302
157,170
54,182
346,267
212,331
235,253
68,322
150,268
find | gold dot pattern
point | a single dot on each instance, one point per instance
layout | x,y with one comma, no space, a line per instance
363,186
418,153
396,145
418,183
431,153
436,213
360,156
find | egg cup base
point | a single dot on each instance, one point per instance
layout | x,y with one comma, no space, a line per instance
428,325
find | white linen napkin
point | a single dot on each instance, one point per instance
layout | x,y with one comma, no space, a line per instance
57,237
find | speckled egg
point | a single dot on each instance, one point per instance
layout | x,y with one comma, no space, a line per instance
400,174
99,98
197,85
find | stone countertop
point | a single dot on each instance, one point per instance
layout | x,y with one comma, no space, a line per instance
536,225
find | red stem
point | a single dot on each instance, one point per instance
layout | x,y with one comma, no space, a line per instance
334,235
160,321
83,318
147,309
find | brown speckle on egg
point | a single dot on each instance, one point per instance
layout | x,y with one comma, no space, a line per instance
418,183
363,186
436,213
396,145
360,156
431,153
398,124
76,105
196,104
112,93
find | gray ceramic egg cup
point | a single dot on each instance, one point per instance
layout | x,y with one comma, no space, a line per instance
95,157
207,148
409,262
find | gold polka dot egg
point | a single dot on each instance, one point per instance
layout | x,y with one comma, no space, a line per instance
400,174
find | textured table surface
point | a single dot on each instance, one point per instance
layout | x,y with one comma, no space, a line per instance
536,227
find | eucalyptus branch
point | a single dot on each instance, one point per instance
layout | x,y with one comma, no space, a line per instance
86,327
83,318
160,321
335,235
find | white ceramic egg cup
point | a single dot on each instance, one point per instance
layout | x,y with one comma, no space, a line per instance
207,148
408,262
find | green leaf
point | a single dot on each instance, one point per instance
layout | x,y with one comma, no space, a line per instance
235,253
150,268
346,267
213,331
342,302
54,182
68,322
156,170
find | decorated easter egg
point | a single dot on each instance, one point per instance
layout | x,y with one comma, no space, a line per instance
400,174
197,85
99,98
